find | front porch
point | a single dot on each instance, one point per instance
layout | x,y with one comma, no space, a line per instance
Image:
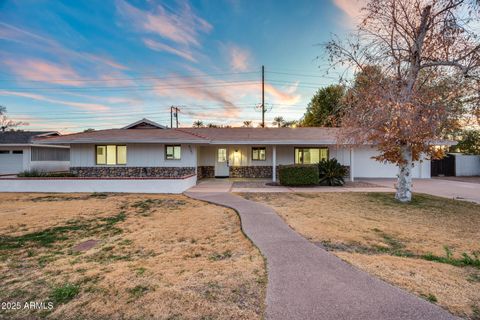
263,161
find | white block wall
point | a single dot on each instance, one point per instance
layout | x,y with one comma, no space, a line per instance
98,185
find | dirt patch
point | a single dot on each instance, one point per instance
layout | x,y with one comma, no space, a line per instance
85,245
430,247
104,256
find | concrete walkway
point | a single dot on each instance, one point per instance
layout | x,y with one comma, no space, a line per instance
307,282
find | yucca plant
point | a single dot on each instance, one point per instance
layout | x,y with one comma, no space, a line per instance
331,173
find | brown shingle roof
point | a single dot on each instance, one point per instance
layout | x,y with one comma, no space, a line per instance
267,135
125,136
202,135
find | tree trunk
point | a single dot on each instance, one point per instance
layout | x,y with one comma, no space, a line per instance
404,182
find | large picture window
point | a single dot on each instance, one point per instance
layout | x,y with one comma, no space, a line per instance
310,155
173,152
111,154
259,153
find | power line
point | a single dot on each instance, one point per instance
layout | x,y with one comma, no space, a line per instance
136,78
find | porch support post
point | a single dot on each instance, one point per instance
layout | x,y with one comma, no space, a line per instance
352,172
274,164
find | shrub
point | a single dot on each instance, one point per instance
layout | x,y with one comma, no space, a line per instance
331,173
298,175
40,174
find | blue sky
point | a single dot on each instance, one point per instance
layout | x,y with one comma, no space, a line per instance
71,65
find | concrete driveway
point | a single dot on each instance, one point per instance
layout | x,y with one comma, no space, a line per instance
460,190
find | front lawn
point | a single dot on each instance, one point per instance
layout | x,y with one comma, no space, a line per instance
112,256
430,247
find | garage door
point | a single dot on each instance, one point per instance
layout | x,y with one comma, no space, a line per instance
11,163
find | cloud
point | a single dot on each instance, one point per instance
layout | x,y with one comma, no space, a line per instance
43,43
351,8
79,105
40,70
182,27
239,58
158,46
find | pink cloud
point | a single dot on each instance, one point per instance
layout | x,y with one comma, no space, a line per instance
183,27
351,8
158,46
79,105
40,70
226,93
239,58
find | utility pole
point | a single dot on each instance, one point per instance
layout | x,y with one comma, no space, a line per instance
174,113
263,96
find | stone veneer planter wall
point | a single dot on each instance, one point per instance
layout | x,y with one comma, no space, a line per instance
251,172
102,172
205,172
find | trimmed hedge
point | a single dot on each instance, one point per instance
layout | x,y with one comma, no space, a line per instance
298,175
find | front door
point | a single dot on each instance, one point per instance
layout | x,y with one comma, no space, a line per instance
221,163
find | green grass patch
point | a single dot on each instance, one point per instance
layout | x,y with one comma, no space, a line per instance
430,297
64,293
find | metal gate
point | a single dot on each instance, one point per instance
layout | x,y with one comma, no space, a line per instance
443,167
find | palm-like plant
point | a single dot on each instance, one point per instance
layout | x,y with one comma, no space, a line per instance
247,124
331,173
278,121
198,124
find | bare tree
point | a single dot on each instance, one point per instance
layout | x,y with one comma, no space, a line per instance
426,63
6,123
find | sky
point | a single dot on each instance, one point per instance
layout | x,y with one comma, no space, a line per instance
73,65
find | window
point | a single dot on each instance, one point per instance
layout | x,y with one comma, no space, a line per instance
111,154
17,151
259,153
222,155
173,152
4,151
310,155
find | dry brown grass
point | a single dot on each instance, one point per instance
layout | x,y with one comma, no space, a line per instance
159,257
390,240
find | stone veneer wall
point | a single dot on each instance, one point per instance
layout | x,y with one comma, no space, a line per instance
251,172
135,172
205,172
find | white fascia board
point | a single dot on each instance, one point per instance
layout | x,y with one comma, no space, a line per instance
32,145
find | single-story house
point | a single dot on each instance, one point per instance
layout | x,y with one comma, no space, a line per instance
173,159
18,152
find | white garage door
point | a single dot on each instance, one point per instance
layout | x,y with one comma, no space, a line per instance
11,163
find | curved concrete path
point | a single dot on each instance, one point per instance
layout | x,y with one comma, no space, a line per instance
307,282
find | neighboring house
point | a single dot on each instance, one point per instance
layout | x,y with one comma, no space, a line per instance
146,149
18,152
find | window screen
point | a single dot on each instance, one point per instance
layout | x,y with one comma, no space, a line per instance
259,153
310,155
111,154
173,152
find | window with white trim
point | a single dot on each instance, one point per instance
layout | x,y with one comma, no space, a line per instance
173,152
